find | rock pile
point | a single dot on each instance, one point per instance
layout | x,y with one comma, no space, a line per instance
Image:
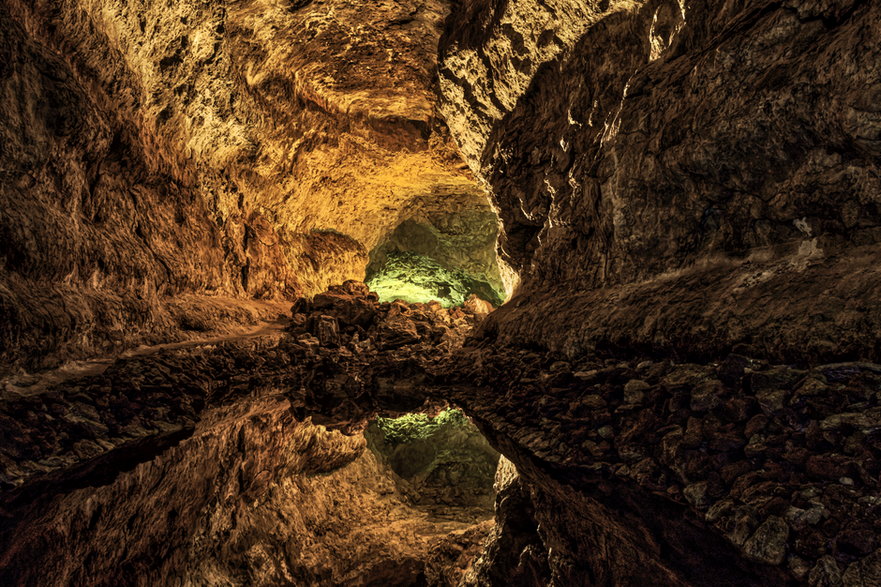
357,357
351,316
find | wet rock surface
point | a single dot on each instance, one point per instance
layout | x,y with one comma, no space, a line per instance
346,357
752,471
737,471
253,496
442,462
513,553
209,462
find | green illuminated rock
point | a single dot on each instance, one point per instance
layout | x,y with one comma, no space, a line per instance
412,427
416,278
441,460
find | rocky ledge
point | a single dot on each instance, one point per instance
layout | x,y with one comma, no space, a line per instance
645,470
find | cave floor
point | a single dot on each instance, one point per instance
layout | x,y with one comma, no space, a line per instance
261,432
33,383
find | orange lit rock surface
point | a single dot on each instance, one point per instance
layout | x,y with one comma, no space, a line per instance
684,383
248,149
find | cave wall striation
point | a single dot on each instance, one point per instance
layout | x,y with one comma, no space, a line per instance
684,377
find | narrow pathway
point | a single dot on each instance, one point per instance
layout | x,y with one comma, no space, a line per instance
31,384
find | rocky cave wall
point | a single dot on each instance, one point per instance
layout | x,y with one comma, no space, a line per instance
663,168
161,162
676,181
689,191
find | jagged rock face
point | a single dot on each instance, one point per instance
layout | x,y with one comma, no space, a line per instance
514,553
695,160
92,236
275,95
236,149
679,180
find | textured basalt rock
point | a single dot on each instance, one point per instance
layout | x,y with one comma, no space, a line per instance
513,553
686,378
736,472
682,185
639,152
156,158
415,278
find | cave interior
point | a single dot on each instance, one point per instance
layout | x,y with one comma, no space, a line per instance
421,292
